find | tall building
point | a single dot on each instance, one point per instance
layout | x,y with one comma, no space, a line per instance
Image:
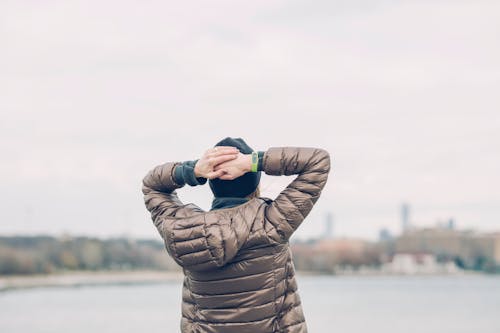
405,217
328,233
384,235
451,224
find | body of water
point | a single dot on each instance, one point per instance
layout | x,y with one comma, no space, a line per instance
354,304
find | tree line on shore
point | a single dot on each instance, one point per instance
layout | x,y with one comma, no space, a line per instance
49,254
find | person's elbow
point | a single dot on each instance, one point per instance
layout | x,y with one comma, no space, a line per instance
322,160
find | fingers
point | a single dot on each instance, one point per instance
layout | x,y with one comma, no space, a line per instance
221,150
216,174
221,174
221,159
226,176
221,165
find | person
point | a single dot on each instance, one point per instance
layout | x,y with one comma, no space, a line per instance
237,263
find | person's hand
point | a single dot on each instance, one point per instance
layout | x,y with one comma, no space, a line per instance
235,168
211,158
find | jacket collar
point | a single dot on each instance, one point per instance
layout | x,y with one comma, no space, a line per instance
226,202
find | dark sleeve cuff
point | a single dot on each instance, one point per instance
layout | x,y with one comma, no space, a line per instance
184,174
260,153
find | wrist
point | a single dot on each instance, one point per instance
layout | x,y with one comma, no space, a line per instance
194,177
255,161
196,171
260,166
248,163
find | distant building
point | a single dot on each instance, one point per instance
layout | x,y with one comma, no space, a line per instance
418,263
328,233
405,217
384,235
451,224
445,243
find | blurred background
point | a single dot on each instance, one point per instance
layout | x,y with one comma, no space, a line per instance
404,94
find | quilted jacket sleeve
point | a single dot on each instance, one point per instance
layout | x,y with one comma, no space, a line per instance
294,203
198,243
158,188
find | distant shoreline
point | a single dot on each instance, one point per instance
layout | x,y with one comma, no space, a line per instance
87,278
99,278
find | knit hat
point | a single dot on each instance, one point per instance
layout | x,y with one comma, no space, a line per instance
238,187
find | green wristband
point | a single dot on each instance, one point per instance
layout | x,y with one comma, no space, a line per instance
255,161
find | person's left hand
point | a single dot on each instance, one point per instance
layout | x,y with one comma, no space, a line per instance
236,167
211,158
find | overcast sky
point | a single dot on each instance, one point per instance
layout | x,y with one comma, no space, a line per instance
403,94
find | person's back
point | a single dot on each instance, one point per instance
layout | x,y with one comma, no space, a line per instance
237,263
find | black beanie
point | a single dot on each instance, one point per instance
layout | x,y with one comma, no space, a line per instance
238,187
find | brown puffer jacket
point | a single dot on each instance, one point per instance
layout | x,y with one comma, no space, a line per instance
238,271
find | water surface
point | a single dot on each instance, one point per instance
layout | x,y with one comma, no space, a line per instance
438,304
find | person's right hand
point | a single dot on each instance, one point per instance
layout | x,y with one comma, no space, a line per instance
205,166
236,167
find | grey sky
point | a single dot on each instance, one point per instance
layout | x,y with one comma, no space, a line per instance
403,94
